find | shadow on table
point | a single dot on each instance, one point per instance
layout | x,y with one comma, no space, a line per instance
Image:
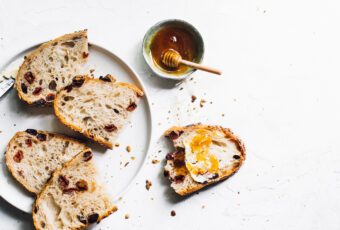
25,219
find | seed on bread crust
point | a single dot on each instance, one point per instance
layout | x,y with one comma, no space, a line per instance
110,128
23,88
179,178
50,97
166,173
41,137
63,181
87,156
69,190
31,131
106,78
78,81
39,102
52,85
28,142
85,55
81,185
29,77
82,219
131,107
37,91
68,88
18,156
173,135
236,157
92,218
21,173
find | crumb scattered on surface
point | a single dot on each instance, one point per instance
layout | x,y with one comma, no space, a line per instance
15,124
169,111
127,216
238,192
151,198
222,114
191,79
173,213
193,98
126,164
117,144
202,102
128,148
155,161
120,198
0,131
148,184
234,99
211,102
91,70
181,88
203,206
159,151
132,158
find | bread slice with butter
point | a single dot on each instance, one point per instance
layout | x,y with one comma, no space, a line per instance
204,155
72,198
97,108
51,67
32,156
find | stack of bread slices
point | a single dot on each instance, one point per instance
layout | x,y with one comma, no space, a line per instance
58,169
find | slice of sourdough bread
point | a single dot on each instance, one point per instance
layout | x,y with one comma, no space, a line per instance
98,108
32,156
72,199
51,67
204,155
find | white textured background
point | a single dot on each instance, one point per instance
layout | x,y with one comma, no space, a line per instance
279,92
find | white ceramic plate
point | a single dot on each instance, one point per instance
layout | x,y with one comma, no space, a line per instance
16,115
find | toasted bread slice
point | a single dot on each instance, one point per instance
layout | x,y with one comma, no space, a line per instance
72,198
51,67
98,108
32,156
204,155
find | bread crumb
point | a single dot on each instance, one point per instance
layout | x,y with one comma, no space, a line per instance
193,98
91,70
151,198
126,164
117,144
114,209
159,151
238,192
169,111
234,99
202,102
15,124
0,131
128,148
191,79
120,198
155,161
132,158
173,213
222,114
181,88
127,216
148,184
203,206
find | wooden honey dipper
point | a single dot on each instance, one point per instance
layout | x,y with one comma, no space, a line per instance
173,59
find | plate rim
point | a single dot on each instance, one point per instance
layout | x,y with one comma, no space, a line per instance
8,60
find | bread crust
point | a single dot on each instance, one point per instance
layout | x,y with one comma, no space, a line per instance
78,129
228,134
9,166
28,56
113,209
